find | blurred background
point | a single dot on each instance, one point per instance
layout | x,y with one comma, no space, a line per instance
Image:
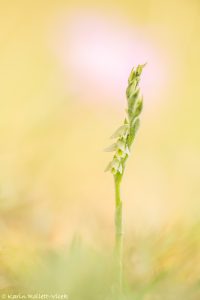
63,73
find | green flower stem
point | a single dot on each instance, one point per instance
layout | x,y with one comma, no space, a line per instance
125,136
118,234
119,224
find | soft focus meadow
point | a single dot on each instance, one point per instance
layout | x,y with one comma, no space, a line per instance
63,73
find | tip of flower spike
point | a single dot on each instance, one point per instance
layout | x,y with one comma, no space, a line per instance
139,69
131,76
136,72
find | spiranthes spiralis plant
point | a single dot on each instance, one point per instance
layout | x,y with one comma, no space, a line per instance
125,136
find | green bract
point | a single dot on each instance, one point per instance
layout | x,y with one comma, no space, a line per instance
125,134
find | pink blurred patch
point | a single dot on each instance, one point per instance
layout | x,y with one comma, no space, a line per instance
98,53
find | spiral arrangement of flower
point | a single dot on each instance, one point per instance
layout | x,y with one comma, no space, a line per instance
125,136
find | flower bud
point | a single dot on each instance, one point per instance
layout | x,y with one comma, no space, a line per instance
139,69
131,76
138,107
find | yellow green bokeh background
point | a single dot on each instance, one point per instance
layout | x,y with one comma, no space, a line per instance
56,116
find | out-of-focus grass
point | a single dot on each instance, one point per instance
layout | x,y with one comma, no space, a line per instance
157,266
